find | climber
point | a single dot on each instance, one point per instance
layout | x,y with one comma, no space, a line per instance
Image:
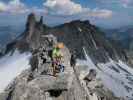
43,56
91,75
73,59
34,60
57,59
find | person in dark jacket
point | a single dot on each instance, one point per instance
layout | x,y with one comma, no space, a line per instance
92,75
73,60
34,63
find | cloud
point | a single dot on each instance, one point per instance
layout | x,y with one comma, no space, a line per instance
101,13
13,6
2,6
68,7
123,3
63,7
54,7
127,3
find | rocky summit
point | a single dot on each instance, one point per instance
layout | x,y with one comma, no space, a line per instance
38,82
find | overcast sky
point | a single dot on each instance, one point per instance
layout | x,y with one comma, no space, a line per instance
104,13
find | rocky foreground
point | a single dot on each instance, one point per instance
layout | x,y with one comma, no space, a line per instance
41,85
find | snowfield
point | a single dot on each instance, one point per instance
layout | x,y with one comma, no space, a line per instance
11,66
116,76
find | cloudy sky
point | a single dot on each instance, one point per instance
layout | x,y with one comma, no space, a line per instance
104,13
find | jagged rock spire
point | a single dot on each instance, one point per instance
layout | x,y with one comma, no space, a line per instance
30,20
30,25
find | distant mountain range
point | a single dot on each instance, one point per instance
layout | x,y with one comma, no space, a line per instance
8,34
124,35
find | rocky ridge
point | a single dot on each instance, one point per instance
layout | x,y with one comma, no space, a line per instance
39,84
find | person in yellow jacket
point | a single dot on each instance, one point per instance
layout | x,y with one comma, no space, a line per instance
57,58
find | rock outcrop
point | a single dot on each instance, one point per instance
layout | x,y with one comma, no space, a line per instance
31,37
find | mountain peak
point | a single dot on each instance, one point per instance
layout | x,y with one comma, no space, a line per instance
80,22
77,22
30,20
